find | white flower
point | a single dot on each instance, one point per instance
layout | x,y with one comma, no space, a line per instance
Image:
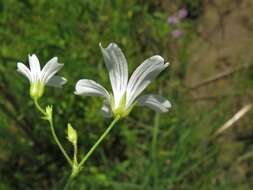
125,92
40,78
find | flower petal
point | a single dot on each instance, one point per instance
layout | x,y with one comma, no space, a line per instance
24,71
158,103
50,69
106,110
85,87
143,75
116,64
34,67
56,81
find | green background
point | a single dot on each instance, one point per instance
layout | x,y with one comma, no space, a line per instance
147,150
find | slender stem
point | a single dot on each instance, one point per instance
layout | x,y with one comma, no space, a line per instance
75,154
58,142
39,107
99,141
77,167
50,120
67,186
154,148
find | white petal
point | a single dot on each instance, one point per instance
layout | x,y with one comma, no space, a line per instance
85,87
56,81
50,69
34,67
106,110
24,70
158,103
118,71
143,75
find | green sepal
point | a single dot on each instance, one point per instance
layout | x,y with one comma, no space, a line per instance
48,113
37,90
126,113
121,108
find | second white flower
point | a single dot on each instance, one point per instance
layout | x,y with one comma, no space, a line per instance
125,92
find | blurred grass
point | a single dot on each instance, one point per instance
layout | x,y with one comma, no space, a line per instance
144,151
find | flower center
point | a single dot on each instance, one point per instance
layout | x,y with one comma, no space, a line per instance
121,110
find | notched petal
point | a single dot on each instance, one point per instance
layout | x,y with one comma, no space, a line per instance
21,68
155,102
143,76
117,67
50,69
34,64
57,81
85,87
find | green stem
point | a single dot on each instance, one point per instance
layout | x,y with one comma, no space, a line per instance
67,186
77,167
53,131
116,119
39,107
75,154
154,148
58,142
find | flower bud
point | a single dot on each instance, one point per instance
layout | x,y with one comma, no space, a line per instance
49,113
72,135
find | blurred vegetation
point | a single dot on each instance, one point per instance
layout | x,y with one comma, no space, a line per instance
144,151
